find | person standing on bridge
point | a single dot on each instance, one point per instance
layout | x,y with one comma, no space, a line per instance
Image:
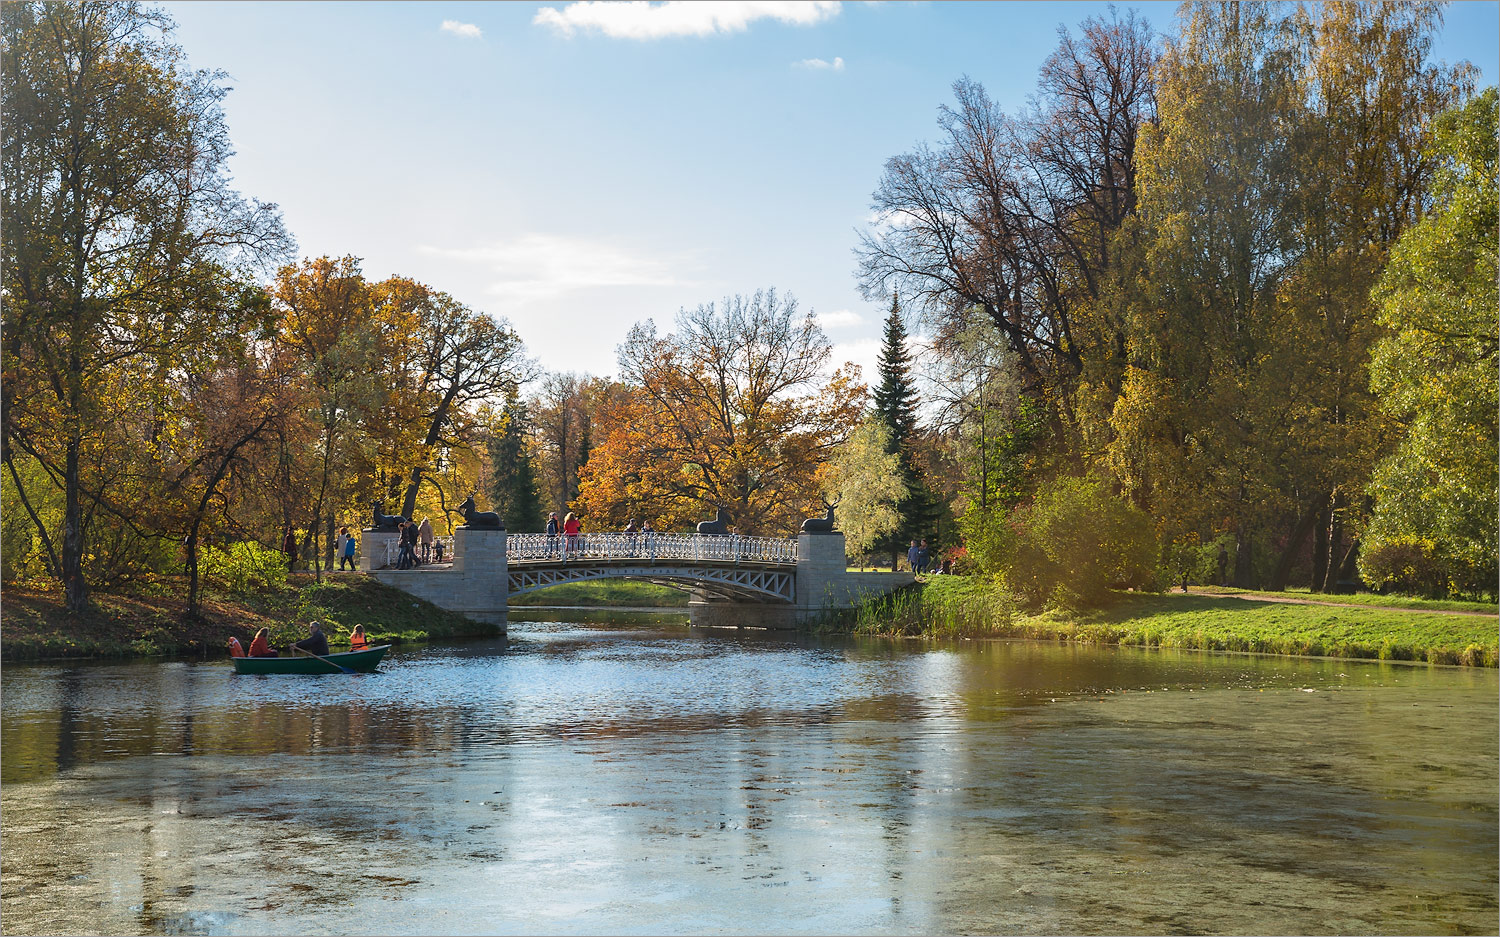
424,533
572,527
552,535
630,535
649,534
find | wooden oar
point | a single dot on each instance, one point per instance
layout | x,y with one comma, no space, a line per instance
323,659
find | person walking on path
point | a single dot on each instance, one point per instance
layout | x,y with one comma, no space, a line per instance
922,556
911,556
406,556
289,547
346,552
424,533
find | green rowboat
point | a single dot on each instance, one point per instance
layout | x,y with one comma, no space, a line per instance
359,661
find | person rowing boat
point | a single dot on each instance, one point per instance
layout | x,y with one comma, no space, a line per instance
315,643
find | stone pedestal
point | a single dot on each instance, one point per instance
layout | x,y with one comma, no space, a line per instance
476,586
372,547
820,571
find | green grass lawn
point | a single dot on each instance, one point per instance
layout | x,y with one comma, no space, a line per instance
1362,598
146,624
963,606
605,592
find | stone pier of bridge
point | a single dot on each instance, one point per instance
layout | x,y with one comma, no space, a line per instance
733,582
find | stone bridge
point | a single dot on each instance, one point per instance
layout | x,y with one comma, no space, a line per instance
733,580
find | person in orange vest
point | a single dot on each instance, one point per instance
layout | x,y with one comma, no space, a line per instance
261,645
357,639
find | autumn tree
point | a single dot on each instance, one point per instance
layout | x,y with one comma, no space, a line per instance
326,316
1436,370
451,360
1014,215
117,210
864,479
233,396
1286,159
732,411
562,411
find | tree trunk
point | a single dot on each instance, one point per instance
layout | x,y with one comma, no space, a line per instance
1346,567
1244,573
1320,547
439,417
53,565
1335,543
190,566
1294,545
75,589
409,503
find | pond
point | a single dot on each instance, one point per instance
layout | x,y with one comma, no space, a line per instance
654,778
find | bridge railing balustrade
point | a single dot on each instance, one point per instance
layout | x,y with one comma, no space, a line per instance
650,547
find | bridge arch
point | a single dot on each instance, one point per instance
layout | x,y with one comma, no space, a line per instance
735,584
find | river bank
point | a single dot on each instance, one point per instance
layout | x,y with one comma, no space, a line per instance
961,606
149,622
34,624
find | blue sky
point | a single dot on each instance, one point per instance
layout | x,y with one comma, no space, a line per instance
576,167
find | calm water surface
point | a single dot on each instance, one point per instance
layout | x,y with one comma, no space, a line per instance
582,778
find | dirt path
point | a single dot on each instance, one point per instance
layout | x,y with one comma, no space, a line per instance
1257,597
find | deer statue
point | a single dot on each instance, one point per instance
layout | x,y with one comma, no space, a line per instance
479,520
385,521
824,524
719,525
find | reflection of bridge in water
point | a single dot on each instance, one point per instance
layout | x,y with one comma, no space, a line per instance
733,579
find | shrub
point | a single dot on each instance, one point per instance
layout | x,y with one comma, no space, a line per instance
1407,564
243,566
1073,544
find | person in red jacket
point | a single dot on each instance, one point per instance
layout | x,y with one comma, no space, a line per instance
571,528
261,645
357,639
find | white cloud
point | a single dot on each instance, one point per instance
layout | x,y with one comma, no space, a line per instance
864,352
839,319
837,65
466,30
640,19
544,266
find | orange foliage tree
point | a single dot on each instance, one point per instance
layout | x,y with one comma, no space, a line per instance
733,410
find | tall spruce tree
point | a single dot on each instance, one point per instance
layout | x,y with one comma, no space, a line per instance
896,408
513,482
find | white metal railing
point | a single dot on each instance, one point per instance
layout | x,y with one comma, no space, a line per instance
651,546
393,551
